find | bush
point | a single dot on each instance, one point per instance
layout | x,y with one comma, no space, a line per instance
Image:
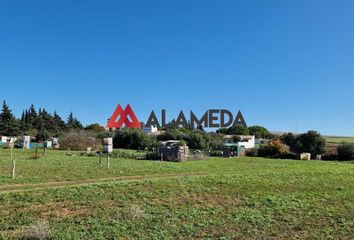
198,140
79,141
330,157
345,152
252,152
152,156
215,153
269,151
131,138
105,134
129,154
275,149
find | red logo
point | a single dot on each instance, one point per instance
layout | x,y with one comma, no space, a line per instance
120,117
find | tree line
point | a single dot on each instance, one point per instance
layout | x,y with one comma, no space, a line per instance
41,124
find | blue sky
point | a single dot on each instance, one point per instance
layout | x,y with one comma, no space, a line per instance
287,65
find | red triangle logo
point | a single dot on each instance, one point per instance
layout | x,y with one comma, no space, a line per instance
120,117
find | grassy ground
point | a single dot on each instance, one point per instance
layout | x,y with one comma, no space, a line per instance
337,140
74,197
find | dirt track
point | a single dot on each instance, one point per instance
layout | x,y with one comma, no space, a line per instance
39,186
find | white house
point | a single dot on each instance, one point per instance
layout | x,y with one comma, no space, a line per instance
247,141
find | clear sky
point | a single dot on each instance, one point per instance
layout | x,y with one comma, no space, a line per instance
287,65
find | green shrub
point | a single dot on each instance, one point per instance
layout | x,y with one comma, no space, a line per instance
128,154
215,153
346,152
275,149
105,134
152,156
253,152
131,138
330,157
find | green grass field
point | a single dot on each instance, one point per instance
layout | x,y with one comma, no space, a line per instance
338,140
75,197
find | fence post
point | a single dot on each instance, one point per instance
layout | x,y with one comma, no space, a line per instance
108,163
13,165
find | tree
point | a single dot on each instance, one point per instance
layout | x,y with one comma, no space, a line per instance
288,139
260,132
173,134
346,152
95,128
311,142
234,130
215,141
9,125
198,140
59,124
43,135
32,116
73,123
130,138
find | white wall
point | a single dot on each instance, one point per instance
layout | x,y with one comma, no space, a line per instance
247,142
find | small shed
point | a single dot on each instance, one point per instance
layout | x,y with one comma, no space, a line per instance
174,151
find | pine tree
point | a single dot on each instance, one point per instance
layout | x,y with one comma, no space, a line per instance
59,124
32,115
23,116
23,122
73,123
9,125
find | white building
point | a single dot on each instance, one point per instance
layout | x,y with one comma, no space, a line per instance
151,129
247,141
25,142
3,139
